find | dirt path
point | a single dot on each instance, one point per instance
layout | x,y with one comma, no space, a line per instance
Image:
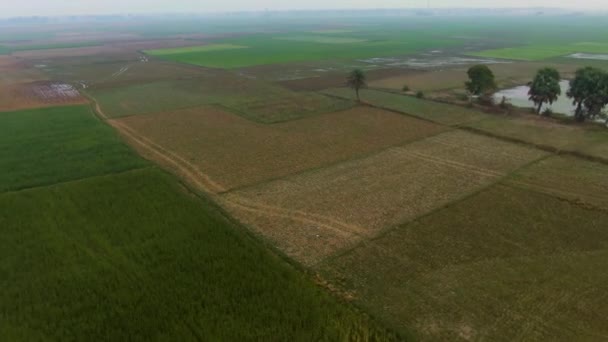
329,223
194,176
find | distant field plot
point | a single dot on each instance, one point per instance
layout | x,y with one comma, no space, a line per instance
96,76
58,45
38,94
254,100
134,257
592,141
194,49
540,52
434,111
313,215
505,264
267,49
235,152
15,71
321,39
506,73
569,178
57,144
72,52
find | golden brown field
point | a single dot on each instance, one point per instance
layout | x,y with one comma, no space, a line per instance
236,152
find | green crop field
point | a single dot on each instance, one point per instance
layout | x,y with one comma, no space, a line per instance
433,111
540,52
505,264
203,48
133,257
266,49
321,39
46,146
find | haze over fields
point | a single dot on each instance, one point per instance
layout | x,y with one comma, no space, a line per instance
45,7
347,170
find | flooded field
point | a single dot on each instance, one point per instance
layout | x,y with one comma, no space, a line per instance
596,57
428,60
518,96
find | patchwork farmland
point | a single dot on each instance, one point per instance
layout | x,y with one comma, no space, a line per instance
188,179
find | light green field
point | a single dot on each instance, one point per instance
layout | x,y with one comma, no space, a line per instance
433,111
330,31
592,141
203,48
540,52
505,264
268,49
321,39
47,146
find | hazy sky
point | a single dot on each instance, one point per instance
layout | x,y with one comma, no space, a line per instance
59,7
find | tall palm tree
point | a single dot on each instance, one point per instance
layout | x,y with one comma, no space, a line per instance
545,87
356,80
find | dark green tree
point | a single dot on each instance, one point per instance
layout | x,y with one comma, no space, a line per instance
481,80
589,92
357,80
545,87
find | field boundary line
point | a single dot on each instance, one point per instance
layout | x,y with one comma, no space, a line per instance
578,200
193,175
542,147
382,233
298,215
335,163
402,112
183,167
462,126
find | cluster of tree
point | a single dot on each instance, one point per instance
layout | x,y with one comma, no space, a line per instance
588,90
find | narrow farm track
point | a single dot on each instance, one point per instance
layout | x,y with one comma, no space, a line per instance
322,221
192,175
191,172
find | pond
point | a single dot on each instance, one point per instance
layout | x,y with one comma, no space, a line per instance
518,96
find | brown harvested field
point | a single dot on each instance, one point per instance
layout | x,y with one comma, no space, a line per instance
312,215
38,94
507,74
569,178
14,70
236,152
107,75
8,63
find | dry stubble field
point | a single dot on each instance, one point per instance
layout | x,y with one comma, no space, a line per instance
236,152
311,216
